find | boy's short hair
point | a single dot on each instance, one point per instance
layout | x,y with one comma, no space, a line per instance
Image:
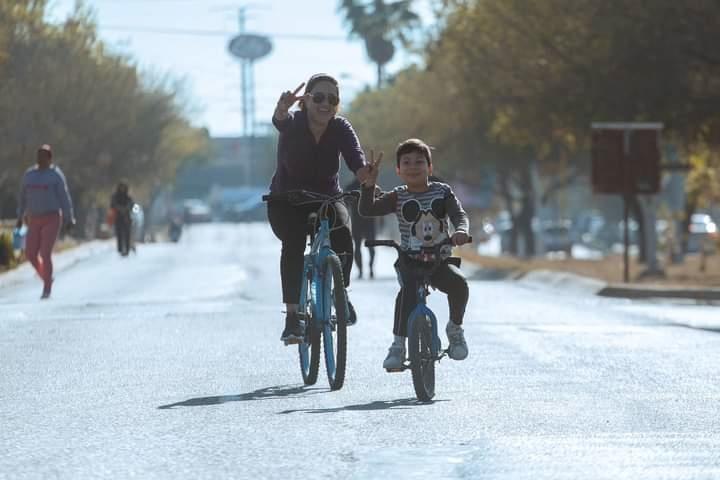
413,145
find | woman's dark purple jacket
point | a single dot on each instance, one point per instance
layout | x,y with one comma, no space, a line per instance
304,164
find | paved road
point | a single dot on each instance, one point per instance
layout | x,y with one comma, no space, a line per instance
168,365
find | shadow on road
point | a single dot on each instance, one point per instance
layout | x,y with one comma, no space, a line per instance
401,404
698,327
267,393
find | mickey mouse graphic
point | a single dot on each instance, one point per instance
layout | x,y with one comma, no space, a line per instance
429,226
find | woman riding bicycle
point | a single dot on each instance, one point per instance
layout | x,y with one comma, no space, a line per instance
309,147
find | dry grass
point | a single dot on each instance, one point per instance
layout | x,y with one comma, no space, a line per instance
609,269
60,245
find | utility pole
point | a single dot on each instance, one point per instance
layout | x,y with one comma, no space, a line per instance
247,48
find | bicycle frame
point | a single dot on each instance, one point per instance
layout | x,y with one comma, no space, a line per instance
312,270
422,310
321,291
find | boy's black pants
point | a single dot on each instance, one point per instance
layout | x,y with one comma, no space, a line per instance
290,225
447,278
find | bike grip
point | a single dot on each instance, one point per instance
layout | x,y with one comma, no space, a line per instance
380,243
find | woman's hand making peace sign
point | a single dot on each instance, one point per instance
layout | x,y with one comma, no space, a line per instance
287,100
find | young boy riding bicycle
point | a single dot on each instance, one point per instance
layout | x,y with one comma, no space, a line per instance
423,208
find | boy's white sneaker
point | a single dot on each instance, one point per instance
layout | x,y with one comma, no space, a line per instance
458,349
395,358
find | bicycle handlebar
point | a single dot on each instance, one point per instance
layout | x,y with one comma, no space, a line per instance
396,246
300,196
382,243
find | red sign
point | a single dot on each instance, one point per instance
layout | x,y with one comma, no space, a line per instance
625,158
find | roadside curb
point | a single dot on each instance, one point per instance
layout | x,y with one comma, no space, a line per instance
654,291
61,261
566,281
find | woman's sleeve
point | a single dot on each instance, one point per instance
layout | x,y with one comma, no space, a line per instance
350,147
283,125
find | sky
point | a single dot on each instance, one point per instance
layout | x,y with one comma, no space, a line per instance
211,76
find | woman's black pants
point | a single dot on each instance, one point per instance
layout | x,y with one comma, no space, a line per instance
290,225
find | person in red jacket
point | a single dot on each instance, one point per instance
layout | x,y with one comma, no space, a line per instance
45,204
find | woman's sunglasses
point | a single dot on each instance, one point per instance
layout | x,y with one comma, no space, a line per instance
319,97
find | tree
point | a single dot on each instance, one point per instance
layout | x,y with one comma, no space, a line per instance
379,23
105,120
515,85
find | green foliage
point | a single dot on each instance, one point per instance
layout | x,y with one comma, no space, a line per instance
524,79
515,84
380,23
59,84
7,255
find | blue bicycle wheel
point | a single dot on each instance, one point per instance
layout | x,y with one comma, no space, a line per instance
309,349
422,361
335,342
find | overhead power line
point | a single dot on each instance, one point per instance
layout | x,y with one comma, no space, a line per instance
218,33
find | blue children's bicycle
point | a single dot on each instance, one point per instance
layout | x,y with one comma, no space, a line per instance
323,303
424,346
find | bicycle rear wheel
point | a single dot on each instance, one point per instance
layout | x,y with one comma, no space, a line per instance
335,345
309,349
422,363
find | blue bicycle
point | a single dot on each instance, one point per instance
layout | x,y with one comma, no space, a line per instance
424,345
323,303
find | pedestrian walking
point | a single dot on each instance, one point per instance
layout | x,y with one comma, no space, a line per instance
363,228
121,204
44,203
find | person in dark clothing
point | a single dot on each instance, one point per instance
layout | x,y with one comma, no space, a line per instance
122,203
363,228
310,143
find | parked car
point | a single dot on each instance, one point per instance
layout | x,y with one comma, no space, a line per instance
238,204
702,231
556,237
196,211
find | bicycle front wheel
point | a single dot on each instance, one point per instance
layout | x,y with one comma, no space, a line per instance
309,353
335,345
309,349
422,363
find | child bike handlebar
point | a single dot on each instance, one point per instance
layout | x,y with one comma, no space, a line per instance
429,258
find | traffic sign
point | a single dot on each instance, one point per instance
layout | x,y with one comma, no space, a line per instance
248,46
626,158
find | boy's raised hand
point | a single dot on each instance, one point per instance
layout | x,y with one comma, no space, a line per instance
373,169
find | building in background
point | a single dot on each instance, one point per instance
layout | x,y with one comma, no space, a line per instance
232,182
